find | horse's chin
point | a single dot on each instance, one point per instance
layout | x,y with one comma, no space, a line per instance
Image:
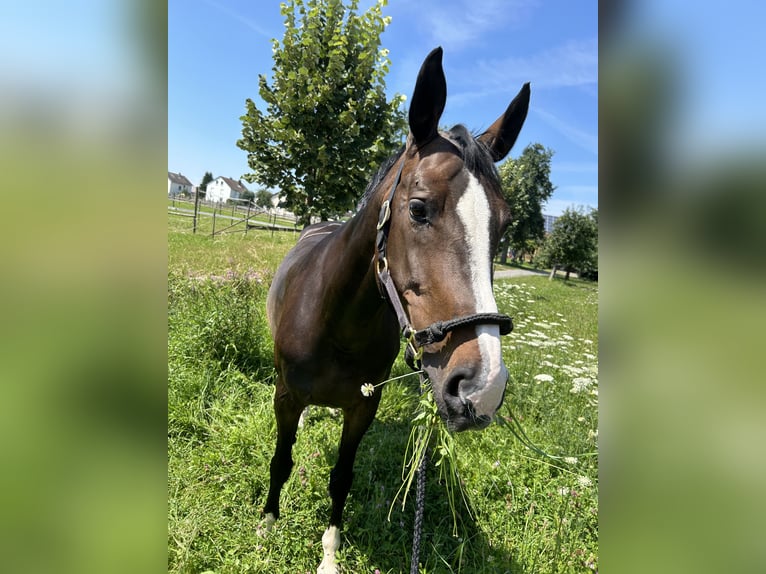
457,416
464,422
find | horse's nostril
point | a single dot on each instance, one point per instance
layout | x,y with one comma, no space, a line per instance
460,383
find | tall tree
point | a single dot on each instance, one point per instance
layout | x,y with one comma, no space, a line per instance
526,186
328,124
248,195
573,243
207,178
263,198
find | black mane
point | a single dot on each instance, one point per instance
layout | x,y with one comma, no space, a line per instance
377,178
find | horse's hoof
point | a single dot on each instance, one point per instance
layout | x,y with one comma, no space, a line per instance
305,413
330,545
266,525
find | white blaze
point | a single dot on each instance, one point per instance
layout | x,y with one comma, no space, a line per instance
473,210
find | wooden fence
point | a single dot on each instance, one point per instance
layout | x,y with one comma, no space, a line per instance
236,216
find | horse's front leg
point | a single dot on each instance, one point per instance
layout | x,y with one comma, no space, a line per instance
356,421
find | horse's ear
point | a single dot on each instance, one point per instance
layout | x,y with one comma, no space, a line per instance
501,135
428,99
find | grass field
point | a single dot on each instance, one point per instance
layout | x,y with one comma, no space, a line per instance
528,513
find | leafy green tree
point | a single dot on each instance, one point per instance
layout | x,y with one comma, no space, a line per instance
573,243
328,124
526,186
248,195
207,178
263,198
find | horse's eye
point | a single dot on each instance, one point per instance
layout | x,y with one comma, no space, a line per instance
418,210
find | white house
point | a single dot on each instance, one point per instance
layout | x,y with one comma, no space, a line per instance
177,184
224,188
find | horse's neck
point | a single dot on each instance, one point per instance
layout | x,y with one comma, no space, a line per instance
357,241
350,257
339,287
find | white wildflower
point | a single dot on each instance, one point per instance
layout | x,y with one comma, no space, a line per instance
563,491
368,389
580,384
584,481
570,459
543,378
571,370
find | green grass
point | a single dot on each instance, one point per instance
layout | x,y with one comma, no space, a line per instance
529,514
257,253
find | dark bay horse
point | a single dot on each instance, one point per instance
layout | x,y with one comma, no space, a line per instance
418,253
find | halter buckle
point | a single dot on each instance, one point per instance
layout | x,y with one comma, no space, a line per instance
385,214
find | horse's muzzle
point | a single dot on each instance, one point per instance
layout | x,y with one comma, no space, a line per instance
459,413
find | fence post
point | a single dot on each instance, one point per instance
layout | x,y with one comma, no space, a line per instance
213,234
247,219
196,208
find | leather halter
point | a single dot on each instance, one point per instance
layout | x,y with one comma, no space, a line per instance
437,331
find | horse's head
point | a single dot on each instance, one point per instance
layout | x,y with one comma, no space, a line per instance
447,217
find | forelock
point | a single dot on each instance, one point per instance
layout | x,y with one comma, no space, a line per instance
476,156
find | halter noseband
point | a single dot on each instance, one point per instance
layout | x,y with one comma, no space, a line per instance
437,331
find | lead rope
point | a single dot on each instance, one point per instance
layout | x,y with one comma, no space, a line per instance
420,501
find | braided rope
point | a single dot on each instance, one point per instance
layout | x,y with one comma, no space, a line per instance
420,504
420,500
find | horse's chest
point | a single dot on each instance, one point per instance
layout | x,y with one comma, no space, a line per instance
362,360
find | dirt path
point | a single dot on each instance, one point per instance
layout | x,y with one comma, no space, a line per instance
507,273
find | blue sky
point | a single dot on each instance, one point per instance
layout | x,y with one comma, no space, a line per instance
217,49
